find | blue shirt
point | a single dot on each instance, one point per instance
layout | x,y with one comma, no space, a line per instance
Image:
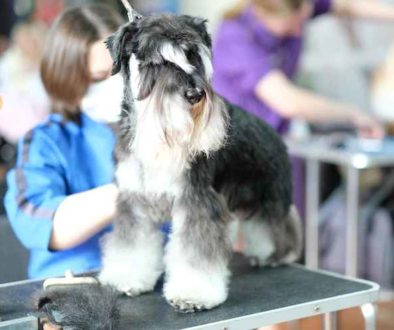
57,159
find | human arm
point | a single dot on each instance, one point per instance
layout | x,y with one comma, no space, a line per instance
38,191
363,9
293,102
81,216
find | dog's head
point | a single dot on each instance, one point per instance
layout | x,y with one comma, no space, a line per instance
167,46
167,65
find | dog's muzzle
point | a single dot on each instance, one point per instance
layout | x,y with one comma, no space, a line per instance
194,95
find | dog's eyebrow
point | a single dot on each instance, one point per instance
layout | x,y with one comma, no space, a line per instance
176,56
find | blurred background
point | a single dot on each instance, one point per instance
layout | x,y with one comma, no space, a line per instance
343,59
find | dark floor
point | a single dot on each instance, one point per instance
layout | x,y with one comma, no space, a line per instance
13,257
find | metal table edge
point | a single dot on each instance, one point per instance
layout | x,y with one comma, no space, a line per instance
21,323
373,285
23,282
308,309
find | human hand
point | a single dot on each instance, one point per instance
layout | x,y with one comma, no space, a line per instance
367,125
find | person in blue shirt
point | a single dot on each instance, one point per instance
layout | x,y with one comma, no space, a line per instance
61,199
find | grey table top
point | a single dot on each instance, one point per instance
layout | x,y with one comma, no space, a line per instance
345,150
257,297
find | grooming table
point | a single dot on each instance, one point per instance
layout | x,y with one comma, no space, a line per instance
258,297
354,155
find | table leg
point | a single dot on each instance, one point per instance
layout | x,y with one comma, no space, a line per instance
352,197
369,314
312,214
330,321
352,233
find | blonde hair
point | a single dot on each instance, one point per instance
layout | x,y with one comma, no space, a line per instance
271,6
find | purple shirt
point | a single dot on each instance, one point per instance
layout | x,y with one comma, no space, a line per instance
245,51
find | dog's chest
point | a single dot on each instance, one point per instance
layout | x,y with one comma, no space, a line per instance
163,177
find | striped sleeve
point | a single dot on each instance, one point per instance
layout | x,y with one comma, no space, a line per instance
36,187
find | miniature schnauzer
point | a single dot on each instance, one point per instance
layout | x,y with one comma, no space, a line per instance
187,155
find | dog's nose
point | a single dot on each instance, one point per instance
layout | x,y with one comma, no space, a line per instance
194,95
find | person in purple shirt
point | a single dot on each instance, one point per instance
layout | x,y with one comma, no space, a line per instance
256,55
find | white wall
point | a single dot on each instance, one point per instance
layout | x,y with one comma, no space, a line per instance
335,66
210,9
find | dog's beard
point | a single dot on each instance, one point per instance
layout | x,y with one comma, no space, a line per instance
162,134
175,120
210,124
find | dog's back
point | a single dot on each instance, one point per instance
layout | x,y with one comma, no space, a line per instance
253,169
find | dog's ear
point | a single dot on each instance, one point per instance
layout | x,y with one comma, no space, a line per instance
201,26
119,45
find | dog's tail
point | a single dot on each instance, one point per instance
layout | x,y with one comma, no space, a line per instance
288,237
82,307
295,229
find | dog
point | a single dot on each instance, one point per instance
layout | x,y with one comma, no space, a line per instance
185,154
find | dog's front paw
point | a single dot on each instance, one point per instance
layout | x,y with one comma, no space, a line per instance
196,291
190,302
128,285
185,306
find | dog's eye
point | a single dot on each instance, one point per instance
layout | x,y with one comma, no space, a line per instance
193,57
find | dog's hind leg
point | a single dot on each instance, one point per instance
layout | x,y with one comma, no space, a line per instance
258,242
272,241
288,237
133,252
198,253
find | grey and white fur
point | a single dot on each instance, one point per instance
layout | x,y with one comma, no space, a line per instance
187,155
